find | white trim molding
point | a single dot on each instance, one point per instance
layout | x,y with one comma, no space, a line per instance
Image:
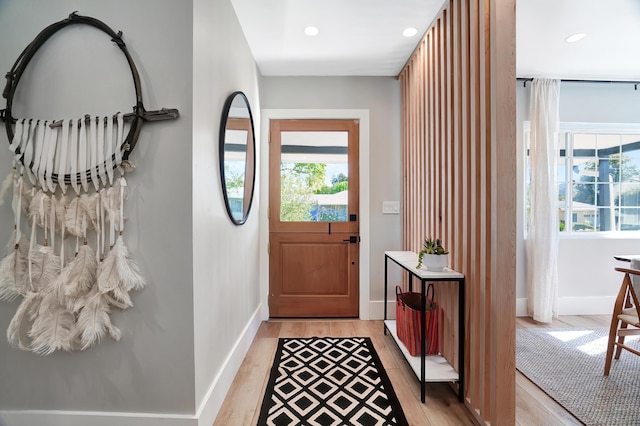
602,305
93,418
210,405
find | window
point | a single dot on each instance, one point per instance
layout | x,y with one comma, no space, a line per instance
598,177
314,176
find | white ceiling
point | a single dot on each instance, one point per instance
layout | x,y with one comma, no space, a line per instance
611,50
357,37
363,37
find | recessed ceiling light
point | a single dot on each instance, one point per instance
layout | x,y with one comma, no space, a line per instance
409,32
311,31
575,37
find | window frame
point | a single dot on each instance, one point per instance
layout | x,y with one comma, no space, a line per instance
567,129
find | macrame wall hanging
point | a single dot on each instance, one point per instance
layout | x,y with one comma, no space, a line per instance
66,259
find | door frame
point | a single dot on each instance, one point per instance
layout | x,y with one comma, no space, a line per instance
263,171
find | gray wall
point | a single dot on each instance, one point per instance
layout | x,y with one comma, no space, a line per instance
225,256
381,96
152,368
585,262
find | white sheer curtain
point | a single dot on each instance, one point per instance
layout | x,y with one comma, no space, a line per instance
542,236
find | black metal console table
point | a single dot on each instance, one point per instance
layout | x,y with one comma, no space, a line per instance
431,368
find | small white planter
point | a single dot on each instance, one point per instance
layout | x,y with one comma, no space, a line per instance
435,262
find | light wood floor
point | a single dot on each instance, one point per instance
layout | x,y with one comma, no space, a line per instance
242,404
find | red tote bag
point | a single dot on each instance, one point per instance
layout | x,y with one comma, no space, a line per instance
401,327
408,322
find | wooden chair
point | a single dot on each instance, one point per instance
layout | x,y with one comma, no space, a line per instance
625,314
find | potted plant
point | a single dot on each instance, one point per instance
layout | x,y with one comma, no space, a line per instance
433,255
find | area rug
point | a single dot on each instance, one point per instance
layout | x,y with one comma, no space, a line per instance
329,381
568,365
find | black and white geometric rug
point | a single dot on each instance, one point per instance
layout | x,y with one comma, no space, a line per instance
329,381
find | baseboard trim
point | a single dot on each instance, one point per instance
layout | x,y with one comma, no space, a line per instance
600,305
205,415
93,418
212,401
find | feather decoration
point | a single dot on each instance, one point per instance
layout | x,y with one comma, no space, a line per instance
109,276
111,203
59,207
58,287
23,244
45,267
129,272
126,166
61,212
73,218
38,205
88,205
94,321
53,328
110,283
10,267
13,277
22,320
80,210
27,195
13,270
72,303
6,184
118,298
80,273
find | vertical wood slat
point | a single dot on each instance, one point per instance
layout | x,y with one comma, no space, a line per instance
476,297
464,108
480,173
408,148
430,172
405,196
453,151
459,183
503,203
445,189
416,149
437,208
414,172
448,175
422,143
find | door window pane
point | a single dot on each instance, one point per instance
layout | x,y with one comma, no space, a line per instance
314,176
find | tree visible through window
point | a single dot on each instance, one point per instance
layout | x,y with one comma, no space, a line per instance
301,185
598,179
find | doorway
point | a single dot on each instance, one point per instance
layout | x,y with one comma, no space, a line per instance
314,214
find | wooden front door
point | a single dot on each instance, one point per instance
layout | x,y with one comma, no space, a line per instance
313,218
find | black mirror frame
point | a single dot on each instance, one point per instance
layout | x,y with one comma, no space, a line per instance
223,127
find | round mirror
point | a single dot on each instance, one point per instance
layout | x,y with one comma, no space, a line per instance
237,156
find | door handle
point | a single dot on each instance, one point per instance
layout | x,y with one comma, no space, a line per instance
353,239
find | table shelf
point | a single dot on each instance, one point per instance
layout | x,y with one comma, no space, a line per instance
437,368
428,368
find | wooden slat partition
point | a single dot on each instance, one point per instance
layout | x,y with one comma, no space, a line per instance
459,184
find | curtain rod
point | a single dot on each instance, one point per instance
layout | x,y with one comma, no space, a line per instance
635,83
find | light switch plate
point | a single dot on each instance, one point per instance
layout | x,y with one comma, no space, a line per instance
391,207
